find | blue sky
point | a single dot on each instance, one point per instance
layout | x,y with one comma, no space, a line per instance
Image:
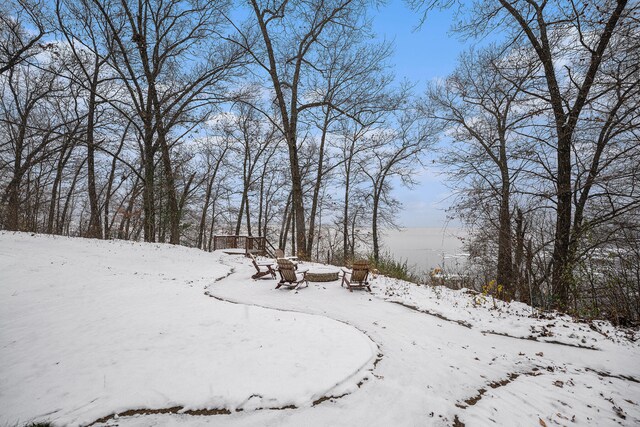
421,55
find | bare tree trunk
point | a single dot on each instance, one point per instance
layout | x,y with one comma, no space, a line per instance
297,202
240,213
345,213
247,213
148,194
55,189
293,229
203,217
125,223
374,225
352,244
213,219
261,200
108,192
318,184
64,224
170,184
95,228
519,268
284,228
504,276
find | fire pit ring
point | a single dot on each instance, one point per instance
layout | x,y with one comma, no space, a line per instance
322,273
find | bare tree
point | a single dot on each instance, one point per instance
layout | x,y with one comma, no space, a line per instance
485,113
213,158
352,145
157,52
284,40
355,77
571,40
82,32
31,132
253,140
395,154
17,40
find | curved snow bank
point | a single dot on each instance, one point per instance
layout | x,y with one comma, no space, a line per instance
90,328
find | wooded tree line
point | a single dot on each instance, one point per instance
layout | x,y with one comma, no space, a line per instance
173,121
545,153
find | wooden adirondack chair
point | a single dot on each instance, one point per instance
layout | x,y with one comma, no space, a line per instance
290,276
262,268
357,277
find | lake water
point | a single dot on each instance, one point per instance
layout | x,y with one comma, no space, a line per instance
426,248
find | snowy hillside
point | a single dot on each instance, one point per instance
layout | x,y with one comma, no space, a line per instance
166,335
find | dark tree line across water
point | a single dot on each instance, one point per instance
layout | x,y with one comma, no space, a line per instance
173,121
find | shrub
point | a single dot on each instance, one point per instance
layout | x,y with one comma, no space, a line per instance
389,266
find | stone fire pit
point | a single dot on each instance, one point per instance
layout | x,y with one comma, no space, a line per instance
322,273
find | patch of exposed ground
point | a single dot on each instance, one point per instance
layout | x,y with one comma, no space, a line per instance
494,384
431,313
532,338
172,410
610,375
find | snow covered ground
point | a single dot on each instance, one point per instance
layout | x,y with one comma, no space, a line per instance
514,319
91,328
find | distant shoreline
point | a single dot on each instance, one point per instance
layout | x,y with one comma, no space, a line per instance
425,248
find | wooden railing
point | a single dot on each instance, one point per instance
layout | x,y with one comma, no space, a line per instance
255,245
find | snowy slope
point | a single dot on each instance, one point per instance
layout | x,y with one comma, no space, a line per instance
91,328
435,371
498,317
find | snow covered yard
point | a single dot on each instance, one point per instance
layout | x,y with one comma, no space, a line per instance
91,328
